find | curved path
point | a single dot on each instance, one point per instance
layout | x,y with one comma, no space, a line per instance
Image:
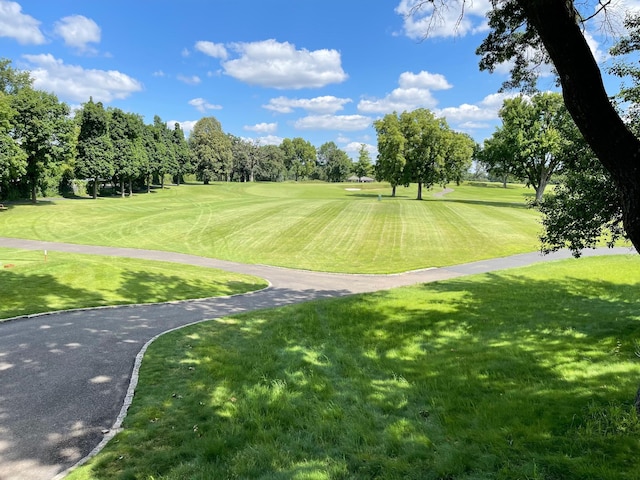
64,376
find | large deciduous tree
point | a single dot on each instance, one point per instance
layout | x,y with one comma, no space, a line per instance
13,160
336,162
391,161
535,140
425,148
43,130
555,28
211,149
299,157
95,150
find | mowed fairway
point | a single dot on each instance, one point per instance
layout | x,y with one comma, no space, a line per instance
327,227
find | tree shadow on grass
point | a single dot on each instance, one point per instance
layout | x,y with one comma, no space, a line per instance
26,294
146,287
508,377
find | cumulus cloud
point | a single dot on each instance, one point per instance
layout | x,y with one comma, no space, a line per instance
426,80
78,31
278,65
420,20
414,91
262,127
193,80
202,105
19,26
473,116
72,82
325,104
215,50
333,122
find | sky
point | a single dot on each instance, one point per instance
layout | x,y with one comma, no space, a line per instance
323,70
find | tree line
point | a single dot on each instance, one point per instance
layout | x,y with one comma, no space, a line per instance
46,150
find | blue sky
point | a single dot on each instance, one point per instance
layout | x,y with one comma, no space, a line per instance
323,70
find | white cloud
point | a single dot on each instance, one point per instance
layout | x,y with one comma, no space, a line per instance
202,105
414,92
269,140
15,24
262,128
470,116
72,82
333,122
215,50
325,104
78,31
452,18
193,80
426,80
159,73
273,64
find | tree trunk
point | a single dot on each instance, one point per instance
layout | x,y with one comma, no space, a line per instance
34,192
148,183
95,188
130,187
588,102
122,187
393,190
419,191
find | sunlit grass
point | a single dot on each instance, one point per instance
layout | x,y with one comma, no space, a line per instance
30,284
314,226
525,374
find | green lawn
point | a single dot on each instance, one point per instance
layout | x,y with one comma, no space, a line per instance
525,374
30,285
313,226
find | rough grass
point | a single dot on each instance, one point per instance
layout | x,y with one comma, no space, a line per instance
312,226
29,284
524,374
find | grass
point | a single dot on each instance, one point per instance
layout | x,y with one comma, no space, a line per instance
314,226
524,374
30,285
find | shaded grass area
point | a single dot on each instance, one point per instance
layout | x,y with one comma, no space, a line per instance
29,284
525,374
315,226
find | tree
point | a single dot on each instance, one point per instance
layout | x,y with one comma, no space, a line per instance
13,160
299,157
362,168
391,161
554,28
246,158
95,151
163,156
425,148
211,150
534,141
43,130
460,156
336,162
12,80
125,132
271,167
182,153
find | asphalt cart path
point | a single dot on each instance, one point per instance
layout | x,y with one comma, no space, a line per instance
66,377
